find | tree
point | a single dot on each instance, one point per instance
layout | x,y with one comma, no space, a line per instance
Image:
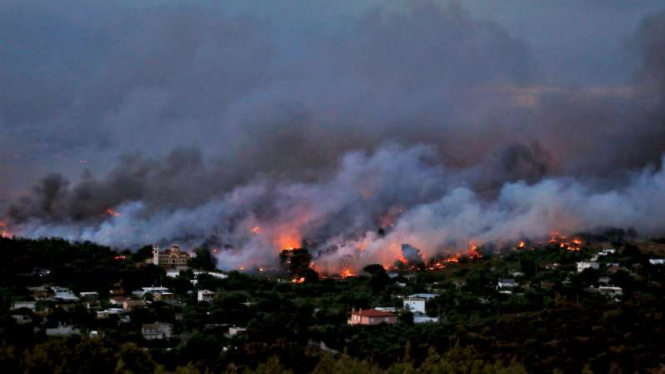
379,279
204,259
133,359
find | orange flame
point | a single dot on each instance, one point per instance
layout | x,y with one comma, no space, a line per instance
288,240
256,230
111,213
347,273
4,231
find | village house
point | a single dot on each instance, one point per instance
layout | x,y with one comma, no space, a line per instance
426,296
390,309
62,330
415,304
21,318
105,314
424,318
32,305
129,305
64,294
610,290
371,317
205,296
171,258
165,297
89,295
506,284
117,300
583,265
235,330
657,261
41,292
156,331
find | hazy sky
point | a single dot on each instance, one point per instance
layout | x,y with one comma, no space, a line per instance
84,82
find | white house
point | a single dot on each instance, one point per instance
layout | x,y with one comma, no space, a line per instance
506,283
90,295
62,330
156,331
610,290
657,261
583,265
32,305
205,296
235,330
415,304
424,318
64,294
426,296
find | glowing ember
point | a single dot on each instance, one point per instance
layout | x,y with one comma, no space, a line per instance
347,273
298,280
256,230
521,244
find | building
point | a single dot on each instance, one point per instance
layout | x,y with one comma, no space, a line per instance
62,330
657,261
89,295
156,331
235,330
165,297
64,294
415,304
610,290
129,305
32,305
426,296
506,284
170,258
205,296
424,318
581,266
371,317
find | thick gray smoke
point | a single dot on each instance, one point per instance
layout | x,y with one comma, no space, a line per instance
240,132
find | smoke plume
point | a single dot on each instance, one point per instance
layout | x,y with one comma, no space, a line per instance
420,119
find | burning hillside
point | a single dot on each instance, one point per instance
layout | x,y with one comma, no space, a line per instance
416,215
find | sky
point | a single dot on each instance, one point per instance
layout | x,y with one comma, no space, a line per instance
172,105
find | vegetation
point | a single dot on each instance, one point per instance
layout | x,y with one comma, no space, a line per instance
550,323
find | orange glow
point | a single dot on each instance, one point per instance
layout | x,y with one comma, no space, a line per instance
473,250
347,273
521,244
4,231
256,230
111,213
573,245
288,240
298,280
